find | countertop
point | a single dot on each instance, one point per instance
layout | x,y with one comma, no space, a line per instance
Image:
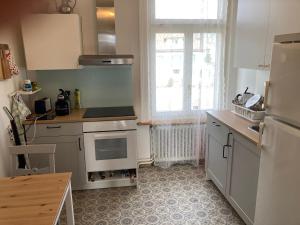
237,123
77,116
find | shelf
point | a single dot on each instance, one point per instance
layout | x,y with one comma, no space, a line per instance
21,92
119,178
118,182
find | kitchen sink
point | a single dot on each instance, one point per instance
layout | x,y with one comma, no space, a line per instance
254,128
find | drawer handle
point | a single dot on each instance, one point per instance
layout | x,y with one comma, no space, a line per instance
53,127
216,125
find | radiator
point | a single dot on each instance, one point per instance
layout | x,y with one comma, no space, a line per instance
175,143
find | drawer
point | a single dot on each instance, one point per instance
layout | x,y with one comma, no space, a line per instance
217,129
54,130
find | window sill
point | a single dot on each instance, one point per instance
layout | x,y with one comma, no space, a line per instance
172,122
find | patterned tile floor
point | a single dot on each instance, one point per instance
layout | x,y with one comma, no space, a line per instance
178,195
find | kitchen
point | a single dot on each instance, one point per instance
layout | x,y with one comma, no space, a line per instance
151,139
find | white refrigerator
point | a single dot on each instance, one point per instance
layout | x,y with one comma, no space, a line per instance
278,196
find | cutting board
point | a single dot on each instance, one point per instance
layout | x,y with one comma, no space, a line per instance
5,72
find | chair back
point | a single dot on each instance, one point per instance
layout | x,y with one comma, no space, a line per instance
31,150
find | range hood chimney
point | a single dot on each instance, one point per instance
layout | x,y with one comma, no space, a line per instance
106,38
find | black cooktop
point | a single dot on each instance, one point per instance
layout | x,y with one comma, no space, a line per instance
109,112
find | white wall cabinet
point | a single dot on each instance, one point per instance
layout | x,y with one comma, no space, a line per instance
284,19
257,23
232,163
251,33
52,41
69,154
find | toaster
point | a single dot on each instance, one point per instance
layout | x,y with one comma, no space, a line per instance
42,106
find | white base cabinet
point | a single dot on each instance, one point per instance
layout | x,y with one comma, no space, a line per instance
216,162
243,169
232,163
69,157
69,154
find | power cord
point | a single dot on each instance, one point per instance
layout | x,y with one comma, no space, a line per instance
34,128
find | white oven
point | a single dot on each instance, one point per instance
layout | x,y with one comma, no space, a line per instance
110,145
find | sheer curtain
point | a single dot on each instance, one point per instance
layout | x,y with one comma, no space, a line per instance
185,55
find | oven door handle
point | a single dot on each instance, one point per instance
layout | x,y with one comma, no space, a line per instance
110,135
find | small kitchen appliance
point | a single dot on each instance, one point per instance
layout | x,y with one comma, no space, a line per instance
42,106
63,104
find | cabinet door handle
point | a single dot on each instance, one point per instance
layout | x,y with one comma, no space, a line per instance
53,127
228,137
215,124
261,131
224,146
227,145
79,144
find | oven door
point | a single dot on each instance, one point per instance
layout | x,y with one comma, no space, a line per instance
110,150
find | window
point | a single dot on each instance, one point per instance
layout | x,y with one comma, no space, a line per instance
186,9
186,53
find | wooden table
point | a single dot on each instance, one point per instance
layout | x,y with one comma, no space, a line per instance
36,199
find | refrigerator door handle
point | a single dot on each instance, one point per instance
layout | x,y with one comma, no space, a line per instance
261,131
267,87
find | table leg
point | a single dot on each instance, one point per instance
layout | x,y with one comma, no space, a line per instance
69,206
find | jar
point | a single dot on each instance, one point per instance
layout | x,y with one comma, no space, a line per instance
27,85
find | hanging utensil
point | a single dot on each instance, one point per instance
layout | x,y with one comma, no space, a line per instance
21,158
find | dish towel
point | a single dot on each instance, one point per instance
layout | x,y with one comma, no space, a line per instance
12,65
19,111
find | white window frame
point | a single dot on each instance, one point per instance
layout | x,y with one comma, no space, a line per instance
188,28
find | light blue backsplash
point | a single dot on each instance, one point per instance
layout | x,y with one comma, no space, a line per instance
99,87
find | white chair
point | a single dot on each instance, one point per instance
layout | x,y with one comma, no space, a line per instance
29,151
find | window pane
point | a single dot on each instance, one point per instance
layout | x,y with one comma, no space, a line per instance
187,9
203,77
169,71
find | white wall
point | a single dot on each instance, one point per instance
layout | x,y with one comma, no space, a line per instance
128,42
127,30
10,36
254,79
127,33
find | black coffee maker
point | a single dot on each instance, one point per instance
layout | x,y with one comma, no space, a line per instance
63,104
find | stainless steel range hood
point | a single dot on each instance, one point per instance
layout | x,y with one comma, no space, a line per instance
100,60
106,38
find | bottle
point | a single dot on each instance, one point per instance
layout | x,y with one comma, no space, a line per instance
77,99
